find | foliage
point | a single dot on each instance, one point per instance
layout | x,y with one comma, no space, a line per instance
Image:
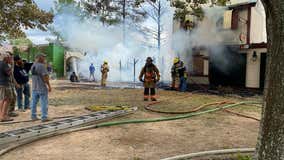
20,42
193,7
113,11
18,14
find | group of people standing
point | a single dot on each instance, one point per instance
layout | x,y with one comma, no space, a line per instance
92,69
14,86
104,72
14,83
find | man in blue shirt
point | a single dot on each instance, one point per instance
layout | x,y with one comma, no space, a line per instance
92,72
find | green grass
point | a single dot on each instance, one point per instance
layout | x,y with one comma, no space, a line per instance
243,157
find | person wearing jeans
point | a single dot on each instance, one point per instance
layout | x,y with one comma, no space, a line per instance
24,89
43,97
22,78
181,69
40,88
183,84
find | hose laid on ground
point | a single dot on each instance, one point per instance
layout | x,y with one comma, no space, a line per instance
212,153
241,115
189,115
134,121
148,107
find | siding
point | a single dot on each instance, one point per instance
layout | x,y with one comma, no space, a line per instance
227,24
258,24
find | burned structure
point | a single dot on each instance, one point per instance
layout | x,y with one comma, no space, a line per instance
240,58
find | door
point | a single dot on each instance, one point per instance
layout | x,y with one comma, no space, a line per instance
262,69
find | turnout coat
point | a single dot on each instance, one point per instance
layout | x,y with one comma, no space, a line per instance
150,75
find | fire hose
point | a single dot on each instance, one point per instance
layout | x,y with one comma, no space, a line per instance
212,153
133,121
149,108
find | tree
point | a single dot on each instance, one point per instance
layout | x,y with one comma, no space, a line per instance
18,14
271,136
192,7
155,10
113,11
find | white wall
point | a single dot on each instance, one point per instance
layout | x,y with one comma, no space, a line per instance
258,24
206,67
253,68
233,36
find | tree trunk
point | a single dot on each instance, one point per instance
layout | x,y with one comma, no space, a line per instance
159,26
124,18
271,136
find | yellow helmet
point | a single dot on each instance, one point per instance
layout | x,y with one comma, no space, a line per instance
176,60
105,62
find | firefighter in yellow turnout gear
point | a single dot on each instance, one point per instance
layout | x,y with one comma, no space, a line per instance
175,76
149,75
104,70
179,75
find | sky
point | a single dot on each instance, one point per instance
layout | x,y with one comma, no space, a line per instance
35,35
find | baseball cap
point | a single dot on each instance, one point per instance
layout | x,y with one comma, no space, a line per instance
40,55
17,57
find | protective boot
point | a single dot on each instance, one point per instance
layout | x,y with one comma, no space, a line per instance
146,98
153,98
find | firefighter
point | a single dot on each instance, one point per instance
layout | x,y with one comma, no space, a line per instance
175,74
149,75
179,75
104,70
181,69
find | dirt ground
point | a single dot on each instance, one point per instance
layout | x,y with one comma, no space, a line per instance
151,141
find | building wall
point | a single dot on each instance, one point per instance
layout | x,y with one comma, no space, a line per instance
242,27
72,59
232,37
253,68
56,56
258,24
206,67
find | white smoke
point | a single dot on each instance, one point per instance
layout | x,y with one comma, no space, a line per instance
208,34
102,42
105,43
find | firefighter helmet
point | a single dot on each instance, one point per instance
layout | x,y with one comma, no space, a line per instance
176,60
149,59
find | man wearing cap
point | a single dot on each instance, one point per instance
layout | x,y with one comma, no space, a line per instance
40,88
5,91
22,78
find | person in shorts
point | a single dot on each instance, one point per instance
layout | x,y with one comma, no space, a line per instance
5,90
